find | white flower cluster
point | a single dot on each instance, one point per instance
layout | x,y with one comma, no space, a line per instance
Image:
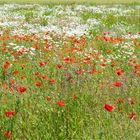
26,19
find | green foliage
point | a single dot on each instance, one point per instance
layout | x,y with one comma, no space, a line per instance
88,15
29,16
110,20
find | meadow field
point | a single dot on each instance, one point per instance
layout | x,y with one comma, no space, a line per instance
70,72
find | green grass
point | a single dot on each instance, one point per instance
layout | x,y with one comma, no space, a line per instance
65,2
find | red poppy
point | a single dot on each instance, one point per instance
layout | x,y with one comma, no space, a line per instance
61,103
37,73
16,72
109,108
118,84
41,64
45,77
120,72
137,66
52,81
112,65
22,89
59,66
49,98
8,134
69,59
88,58
103,65
22,77
133,115
10,114
13,82
95,71
38,84
7,65
135,71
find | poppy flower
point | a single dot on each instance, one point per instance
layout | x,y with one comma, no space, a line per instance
22,89
109,108
112,65
7,65
10,114
94,71
49,98
38,84
45,77
120,72
13,82
137,66
133,115
133,60
22,77
103,65
88,58
118,84
41,64
37,73
8,134
59,66
135,71
52,81
16,72
69,59
61,103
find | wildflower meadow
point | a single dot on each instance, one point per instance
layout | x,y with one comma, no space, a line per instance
69,71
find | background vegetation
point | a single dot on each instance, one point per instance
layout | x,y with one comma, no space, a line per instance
65,2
